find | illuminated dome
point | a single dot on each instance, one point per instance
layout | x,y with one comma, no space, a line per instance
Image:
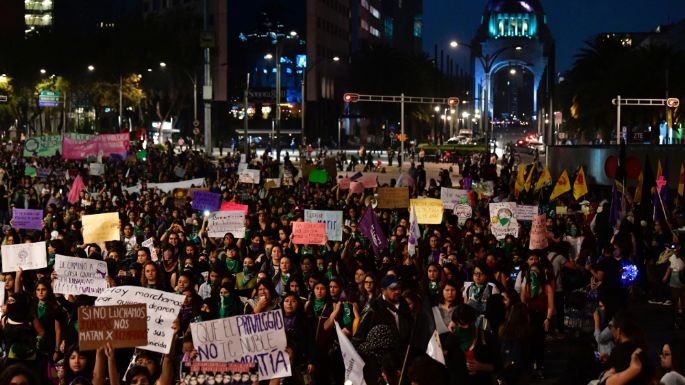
513,18
513,6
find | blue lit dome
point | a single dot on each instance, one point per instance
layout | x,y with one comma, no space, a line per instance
514,6
513,18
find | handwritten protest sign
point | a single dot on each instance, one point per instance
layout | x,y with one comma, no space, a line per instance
503,220
428,210
463,212
562,210
393,197
123,326
29,219
96,169
80,276
205,200
99,228
526,212
332,219
356,188
272,183
451,197
150,244
344,183
232,206
309,233
538,232
258,338
249,176
162,310
222,222
368,180
27,256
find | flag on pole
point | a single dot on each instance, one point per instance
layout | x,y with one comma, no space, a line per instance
638,188
563,185
414,233
529,178
354,365
520,179
75,191
580,184
681,180
434,349
372,230
545,178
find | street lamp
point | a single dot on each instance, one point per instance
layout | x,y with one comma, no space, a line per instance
91,68
43,71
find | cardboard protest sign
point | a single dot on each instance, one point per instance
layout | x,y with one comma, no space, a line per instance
222,222
27,256
99,228
318,176
162,310
249,176
248,338
393,197
332,219
526,212
150,244
79,276
451,197
309,233
272,183
205,200
562,210
428,210
344,183
123,326
232,206
503,220
96,169
29,219
538,232
463,212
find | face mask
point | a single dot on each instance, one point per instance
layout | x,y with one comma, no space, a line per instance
573,232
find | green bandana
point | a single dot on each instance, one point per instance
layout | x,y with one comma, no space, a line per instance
329,273
319,304
347,315
534,284
225,309
232,265
284,278
478,292
40,310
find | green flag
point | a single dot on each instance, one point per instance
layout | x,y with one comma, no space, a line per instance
318,176
30,171
142,154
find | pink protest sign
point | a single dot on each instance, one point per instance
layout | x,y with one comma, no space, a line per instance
344,183
309,233
232,206
356,188
368,180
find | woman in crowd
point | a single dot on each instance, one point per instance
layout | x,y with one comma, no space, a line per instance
448,299
77,364
478,291
301,348
322,313
672,359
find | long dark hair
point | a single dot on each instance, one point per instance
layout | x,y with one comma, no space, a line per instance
516,323
87,372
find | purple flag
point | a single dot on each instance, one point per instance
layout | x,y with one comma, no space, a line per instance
205,200
616,205
371,229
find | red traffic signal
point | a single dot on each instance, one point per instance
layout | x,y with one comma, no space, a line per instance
672,102
452,101
351,98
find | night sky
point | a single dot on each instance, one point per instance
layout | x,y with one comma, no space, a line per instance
571,21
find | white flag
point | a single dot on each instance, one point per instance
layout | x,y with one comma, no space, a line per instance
434,349
354,365
414,233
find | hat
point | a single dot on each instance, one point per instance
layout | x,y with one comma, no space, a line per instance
390,282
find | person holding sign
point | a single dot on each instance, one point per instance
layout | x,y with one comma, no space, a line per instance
321,313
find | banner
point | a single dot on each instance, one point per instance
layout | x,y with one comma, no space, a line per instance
122,326
332,219
167,187
526,212
49,145
162,310
451,197
232,206
27,256
503,220
538,232
79,276
99,228
309,233
428,210
102,144
205,200
222,222
249,176
393,197
258,338
29,219
354,364
356,188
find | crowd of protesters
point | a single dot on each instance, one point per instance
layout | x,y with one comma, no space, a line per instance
495,303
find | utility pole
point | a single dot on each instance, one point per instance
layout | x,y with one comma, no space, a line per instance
207,88
247,91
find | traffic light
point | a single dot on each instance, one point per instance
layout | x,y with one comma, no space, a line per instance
452,102
351,98
672,102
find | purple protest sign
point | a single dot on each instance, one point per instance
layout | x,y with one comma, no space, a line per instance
371,229
27,219
205,200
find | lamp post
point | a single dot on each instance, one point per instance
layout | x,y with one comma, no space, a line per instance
304,99
487,61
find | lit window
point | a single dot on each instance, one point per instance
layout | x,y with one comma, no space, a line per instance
374,32
365,4
418,26
375,13
365,25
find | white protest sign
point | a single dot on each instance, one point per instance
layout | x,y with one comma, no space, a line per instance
162,310
150,244
258,338
354,364
526,212
222,222
170,186
451,197
538,232
242,166
332,219
96,168
503,220
248,176
27,256
80,276
463,212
